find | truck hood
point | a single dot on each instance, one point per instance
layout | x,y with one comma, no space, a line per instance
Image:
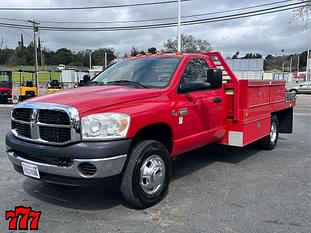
87,99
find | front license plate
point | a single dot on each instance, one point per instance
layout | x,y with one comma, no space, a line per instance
30,170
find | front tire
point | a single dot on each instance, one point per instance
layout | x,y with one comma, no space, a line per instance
269,142
146,177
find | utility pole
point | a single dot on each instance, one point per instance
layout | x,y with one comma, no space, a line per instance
308,76
298,64
290,64
106,62
35,30
179,26
283,67
41,53
90,58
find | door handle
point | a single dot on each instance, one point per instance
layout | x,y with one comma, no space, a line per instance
217,100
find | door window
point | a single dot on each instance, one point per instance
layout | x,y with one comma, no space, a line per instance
195,72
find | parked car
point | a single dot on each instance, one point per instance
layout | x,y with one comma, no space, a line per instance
302,88
60,67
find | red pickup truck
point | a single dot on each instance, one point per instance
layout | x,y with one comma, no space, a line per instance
137,115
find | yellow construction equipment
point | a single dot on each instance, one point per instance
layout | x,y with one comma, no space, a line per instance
28,87
53,86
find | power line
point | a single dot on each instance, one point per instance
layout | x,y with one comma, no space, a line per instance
14,20
165,25
189,22
152,19
9,25
243,16
168,18
87,7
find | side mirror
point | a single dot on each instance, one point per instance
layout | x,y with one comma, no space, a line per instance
214,77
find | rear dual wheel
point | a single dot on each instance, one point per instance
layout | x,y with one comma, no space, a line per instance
146,177
269,142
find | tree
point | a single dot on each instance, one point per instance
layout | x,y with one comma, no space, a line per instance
1,42
63,56
189,45
252,55
99,56
5,54
304,12
236,55
24,55
152,50
269,57
18,58
134,51
21,42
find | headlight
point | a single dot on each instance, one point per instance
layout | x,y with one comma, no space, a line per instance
105,126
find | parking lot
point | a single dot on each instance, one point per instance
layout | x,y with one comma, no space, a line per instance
213,189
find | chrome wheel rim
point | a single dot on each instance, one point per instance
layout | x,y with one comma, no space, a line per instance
152,174
273,132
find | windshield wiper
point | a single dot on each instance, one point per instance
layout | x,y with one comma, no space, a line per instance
127,82
95,83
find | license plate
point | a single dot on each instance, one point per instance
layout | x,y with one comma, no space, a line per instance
30,170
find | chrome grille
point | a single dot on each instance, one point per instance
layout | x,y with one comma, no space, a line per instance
51,134
22,129
46,123
23,114
53,117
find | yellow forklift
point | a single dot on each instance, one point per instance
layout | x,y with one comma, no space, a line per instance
28,86
53,86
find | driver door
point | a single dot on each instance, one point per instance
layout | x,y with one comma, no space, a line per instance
201,111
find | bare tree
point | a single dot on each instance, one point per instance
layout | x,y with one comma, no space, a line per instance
304,12
1,42
190,44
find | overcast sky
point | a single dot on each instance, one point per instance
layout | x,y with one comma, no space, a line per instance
267,34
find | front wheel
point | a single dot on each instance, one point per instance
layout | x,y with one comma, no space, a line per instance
269,142
146,177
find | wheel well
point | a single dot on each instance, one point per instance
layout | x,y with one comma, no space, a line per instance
160,132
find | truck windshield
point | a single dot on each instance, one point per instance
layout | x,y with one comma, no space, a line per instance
153,72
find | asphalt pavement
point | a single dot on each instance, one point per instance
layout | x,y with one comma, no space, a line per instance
215,189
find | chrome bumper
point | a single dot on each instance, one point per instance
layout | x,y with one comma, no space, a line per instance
106,167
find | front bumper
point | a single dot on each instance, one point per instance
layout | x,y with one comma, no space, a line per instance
104,167
108,158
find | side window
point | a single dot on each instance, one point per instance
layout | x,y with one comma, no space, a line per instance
195,72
